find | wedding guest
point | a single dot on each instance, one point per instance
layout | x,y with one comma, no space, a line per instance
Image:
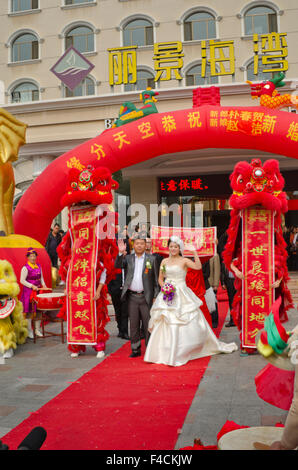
143,232
132,238
54,239
120,306
158,256
214,278
294,250
209,295
125,238
226,277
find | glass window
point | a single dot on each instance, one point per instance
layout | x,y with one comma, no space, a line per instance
85,88
25,47
25,92
144,79
74,2
23,5
82,38
199,26
194,77
138,33
260,20
261,76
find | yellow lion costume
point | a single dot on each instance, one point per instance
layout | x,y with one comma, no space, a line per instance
13,325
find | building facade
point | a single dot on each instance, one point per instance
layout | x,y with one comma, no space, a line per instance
173,46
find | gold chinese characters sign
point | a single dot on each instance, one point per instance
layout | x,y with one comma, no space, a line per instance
81,280
258,269
217,58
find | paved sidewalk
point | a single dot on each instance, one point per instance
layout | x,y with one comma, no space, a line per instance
39,372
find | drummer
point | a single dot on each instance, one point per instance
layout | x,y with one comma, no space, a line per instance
31,280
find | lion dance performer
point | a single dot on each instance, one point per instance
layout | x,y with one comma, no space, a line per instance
88,252
256,250
13,325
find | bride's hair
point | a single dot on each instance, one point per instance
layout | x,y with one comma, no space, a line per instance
178,242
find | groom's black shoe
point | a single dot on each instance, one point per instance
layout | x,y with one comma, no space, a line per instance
135,354
124,336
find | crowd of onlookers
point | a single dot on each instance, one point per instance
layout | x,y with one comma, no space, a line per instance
291,238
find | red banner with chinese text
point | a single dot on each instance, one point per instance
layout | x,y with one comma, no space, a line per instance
258,269
204,239
81,278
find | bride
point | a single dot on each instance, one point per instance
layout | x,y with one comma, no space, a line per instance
179,330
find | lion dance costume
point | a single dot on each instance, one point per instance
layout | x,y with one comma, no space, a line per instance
258,188
13,326
87,253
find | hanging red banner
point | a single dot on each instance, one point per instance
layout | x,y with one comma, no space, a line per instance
203,239
258,269
81,278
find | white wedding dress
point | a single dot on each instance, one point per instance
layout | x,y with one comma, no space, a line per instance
180,332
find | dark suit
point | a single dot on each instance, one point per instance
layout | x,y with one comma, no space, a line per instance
139,304
120,307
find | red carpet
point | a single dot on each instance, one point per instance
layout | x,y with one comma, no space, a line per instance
121,404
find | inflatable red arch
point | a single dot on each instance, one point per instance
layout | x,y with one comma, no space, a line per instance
201,127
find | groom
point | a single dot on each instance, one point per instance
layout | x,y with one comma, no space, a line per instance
140,288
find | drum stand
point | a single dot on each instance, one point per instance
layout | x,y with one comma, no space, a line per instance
45,318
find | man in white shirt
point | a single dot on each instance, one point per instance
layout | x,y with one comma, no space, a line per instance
140,289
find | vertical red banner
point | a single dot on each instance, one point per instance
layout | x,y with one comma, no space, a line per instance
81,278
258,269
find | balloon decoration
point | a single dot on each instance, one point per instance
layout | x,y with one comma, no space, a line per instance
205,126
128,111
13,248
268,95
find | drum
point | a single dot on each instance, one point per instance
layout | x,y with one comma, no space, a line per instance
246,439
50,301
7,306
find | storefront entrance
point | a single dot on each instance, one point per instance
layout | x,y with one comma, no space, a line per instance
208,198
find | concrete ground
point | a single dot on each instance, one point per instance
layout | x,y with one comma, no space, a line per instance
38,372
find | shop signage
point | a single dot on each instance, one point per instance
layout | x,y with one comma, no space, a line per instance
270,52
203,185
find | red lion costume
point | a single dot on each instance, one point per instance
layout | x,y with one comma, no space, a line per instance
89,188
254,184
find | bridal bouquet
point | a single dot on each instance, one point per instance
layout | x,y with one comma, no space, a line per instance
168,290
